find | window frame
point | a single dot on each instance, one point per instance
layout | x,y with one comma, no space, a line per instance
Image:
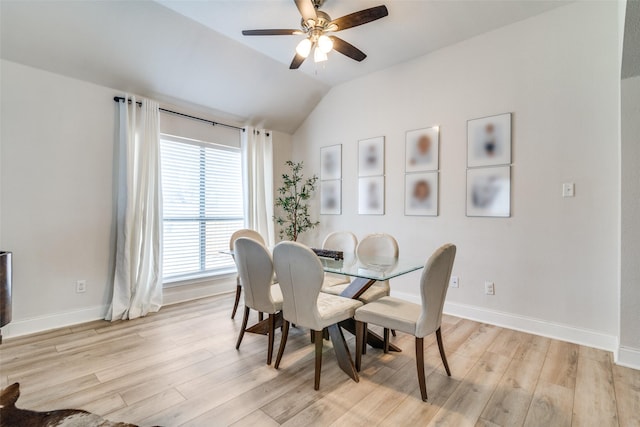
203,274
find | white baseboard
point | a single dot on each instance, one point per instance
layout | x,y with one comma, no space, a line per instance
171,295
530,325
198,289
628,357
34,325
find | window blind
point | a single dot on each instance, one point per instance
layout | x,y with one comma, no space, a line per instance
202,207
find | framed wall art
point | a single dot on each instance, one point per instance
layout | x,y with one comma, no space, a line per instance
489,141
421,149
489,191
331,162
331,197
371,195
371,157
421,194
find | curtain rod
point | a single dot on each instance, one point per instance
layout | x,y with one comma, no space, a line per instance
120,98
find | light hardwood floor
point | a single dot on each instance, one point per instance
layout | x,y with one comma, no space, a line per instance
180,367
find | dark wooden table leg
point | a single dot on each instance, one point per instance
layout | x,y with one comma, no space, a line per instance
373,339
342,352
357,287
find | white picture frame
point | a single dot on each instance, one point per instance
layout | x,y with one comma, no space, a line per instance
489,192
371,157
371,195
421,194
489,141
331,162
331,197
422,149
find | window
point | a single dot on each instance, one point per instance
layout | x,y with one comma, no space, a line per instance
202,202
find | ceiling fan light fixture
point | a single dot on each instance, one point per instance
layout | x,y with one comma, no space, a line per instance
304,48
319,55
325,44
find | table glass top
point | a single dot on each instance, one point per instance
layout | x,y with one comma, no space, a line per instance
374,268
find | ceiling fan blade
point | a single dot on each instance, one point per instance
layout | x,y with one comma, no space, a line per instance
359,18
297,62
347,49
306,9
270,32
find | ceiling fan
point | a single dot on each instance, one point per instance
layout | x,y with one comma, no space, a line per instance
315,24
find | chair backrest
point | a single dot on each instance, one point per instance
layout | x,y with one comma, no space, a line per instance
300,275
245,232
433,288
378,245
255,268
344,241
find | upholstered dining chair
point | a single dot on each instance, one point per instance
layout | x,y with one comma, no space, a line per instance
372,247
252,234
346,242
414,319
255,268
300,275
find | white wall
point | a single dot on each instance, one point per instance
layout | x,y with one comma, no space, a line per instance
56,194
630,216
57,201
555,261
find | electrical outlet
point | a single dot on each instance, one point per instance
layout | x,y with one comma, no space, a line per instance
81,286
454,282
568,189
489,288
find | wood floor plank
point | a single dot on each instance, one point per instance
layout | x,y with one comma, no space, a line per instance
180,367
594,401
256,418
412,411
147,407
627,388
561,364
464,406
510,401
551,406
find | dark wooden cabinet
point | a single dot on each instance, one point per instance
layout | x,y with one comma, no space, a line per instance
5,289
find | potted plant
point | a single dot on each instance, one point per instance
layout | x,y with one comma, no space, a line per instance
293,195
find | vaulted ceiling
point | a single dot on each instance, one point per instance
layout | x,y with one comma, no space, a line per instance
192,53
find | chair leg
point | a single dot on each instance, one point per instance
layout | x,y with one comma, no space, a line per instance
318,342
283,342
393,332
420,366
365,329
244,326
359,339
442,355
386,340
260,316
325,334
271,333
235,305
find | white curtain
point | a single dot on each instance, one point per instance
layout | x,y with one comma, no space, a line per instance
257,178
137,284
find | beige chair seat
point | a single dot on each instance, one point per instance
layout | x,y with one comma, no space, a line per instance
331,280
333,309
375,292
276,296
391,312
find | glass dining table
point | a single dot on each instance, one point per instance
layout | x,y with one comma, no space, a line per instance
364,273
